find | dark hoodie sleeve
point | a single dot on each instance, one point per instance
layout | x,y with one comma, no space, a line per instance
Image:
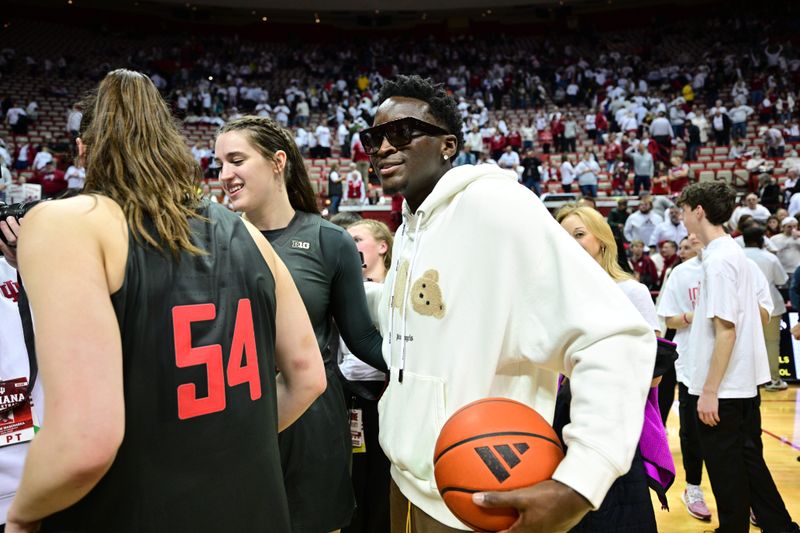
348,301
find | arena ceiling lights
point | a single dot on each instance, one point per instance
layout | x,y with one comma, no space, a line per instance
369,5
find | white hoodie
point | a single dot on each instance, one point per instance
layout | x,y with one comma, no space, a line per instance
544,307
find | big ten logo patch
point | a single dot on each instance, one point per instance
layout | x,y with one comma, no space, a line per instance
302,245
10,289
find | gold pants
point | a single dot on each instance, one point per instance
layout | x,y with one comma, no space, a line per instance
408,518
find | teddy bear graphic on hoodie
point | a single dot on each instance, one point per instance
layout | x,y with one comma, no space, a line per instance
426,294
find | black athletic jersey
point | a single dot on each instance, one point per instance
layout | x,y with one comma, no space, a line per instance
200,451
326,268
316,450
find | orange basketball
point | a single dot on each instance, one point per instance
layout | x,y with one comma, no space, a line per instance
488,445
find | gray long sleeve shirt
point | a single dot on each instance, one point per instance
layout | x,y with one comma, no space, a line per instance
642,163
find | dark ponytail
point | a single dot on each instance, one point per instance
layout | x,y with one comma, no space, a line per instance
268,137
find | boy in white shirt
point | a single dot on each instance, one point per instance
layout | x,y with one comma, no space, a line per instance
676,307
725,363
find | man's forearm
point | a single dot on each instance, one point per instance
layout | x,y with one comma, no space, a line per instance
724,339
683,320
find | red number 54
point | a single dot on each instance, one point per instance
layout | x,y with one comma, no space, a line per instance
242,362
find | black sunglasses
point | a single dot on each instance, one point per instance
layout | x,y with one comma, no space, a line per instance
398,132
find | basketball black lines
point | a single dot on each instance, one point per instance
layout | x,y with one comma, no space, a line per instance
492,461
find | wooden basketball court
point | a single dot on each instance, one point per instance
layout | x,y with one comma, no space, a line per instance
780,413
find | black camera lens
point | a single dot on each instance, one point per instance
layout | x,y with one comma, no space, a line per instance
17,211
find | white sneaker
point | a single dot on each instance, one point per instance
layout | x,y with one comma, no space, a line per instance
776,385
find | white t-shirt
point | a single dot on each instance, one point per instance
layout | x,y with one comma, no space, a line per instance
728,290
351,367
678,296
323,134
75,176
788,252
760,213
771,267
667,231
509,160
13,364
13,114
640,226
567,173
639,295
41,159
74,120
768,244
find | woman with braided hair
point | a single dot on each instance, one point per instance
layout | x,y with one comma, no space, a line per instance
264,175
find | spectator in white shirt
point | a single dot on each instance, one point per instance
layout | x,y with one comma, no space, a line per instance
282,113
5,180
263,109
567,175
475,140
302,111
16,118
587,172
669,230
42,158
661,130
301,139
727,358
509,160
752,208
75,176
788,245
74,120
323,135
739,115
776,145
643,222
771,267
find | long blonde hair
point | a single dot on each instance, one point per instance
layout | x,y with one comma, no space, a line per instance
599,228
137,157
380,232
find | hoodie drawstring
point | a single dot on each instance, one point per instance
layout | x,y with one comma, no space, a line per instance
406,292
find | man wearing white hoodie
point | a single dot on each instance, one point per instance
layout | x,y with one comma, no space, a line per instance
488,296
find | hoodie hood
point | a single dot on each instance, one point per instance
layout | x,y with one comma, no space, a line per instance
453,182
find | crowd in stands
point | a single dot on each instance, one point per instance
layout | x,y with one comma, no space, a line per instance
643,111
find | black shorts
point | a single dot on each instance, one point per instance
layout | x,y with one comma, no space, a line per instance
316,454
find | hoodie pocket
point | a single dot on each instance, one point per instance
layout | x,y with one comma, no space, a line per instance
412,414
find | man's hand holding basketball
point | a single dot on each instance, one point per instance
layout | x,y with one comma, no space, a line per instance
547,507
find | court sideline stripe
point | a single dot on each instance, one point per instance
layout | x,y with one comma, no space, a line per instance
781,439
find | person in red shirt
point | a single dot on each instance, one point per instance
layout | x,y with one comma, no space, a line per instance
497,144
613,151
557,128
678,175
660,185
669,254
601,126
514,140
545,140
361,159
643,267
51,179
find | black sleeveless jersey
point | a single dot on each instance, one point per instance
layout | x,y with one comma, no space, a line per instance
200,451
